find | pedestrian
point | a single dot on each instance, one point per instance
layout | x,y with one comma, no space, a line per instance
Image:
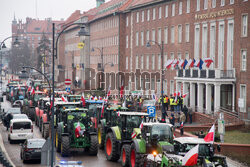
185,111
172,119
182,118
190,115
182,128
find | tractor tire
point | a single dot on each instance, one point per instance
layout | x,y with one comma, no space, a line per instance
65,146
58,138
101,139
45,131
111,149
125,153
136,159
32,114
93,149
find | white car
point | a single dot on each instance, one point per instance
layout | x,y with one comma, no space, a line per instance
20,129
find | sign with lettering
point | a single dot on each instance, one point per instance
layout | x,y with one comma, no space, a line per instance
212,15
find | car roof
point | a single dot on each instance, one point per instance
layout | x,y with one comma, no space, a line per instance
35,139
156,123
134,113
20,114
190,140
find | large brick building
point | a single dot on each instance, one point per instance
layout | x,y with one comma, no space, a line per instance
189,29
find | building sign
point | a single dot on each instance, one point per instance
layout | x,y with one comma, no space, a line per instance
117,5
212,15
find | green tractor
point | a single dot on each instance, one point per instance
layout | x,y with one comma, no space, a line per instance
75,131
155,138
74,98
119,137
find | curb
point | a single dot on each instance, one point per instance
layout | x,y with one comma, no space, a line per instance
4,152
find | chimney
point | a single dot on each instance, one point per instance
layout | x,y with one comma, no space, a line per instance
99,2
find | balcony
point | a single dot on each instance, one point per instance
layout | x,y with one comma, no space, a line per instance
207,74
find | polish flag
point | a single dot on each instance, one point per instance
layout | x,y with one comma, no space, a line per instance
51,103
141,125
176,64
122,91
210,136
108,93
102,110
118,114
77,130
191,63
181,125
181,63
179,93
83,100
169,63
32,91
197,63
184,95
133,135
37,87
64,99
191,157
208,62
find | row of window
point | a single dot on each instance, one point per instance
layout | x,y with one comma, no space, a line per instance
105,42
105,24
111,58
140,16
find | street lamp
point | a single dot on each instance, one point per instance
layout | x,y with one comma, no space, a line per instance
161,47
82,32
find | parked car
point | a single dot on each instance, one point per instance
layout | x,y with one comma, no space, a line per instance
31,149
19,116
20,129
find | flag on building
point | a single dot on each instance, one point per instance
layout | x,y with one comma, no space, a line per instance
208,62
210,136
200,64
169,63
191,157
191,63
185,63
181,63
197,63
184,95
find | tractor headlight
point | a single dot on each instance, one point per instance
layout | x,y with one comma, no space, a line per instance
154,154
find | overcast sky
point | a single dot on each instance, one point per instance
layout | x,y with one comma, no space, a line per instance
56,9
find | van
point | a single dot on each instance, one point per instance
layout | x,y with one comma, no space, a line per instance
20,129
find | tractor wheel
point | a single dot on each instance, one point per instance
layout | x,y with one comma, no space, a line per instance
45,131
125,154
101,137
32,114
111,149
58,138
135,158
93,149
65,146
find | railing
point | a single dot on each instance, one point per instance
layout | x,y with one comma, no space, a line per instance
195,74
187,73
226,73
180,73
203,73
211,73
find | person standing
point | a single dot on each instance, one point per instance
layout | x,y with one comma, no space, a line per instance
190,115
185,111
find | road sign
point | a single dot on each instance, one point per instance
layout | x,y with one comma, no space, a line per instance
151,111
80,45
221,127
67,82
67,89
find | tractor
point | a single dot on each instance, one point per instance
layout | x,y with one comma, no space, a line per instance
119,137
18,93
74,98
75,131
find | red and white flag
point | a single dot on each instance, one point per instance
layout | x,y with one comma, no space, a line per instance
102,110
32,91
77,130
210,136
191,157
141,125
64,99
181,125
169,63
122,91
118,114
184,95
181,63
133,135
208,62
83,100
108,92
37,87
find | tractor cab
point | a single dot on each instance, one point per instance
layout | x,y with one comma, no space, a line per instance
19,93
74,98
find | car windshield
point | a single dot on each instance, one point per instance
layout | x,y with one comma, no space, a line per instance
134,121
21,116
19,125
35,143
203,149
14,110
163,131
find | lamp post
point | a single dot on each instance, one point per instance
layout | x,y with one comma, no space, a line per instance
161,47
82,32
2,46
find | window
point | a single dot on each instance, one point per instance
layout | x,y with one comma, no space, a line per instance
159,61
126,62
231,1
166,35
179,33
166,11
187,33
153,35
142,38
142,62
221,45
213,3
197,41
188,6
137,62
244,25
173,9
159,12
212,42
154,14
127,41
137,38
243,60
148,15
142,16
171,87
179,56
159,35
205,4
198,5
147,35
152,84
153,62
180,8
172,34
187,56
243,96
147,65
137,17
204,41
222,3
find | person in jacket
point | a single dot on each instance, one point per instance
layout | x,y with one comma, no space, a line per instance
185,111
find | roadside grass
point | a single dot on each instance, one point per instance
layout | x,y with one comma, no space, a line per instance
237,137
